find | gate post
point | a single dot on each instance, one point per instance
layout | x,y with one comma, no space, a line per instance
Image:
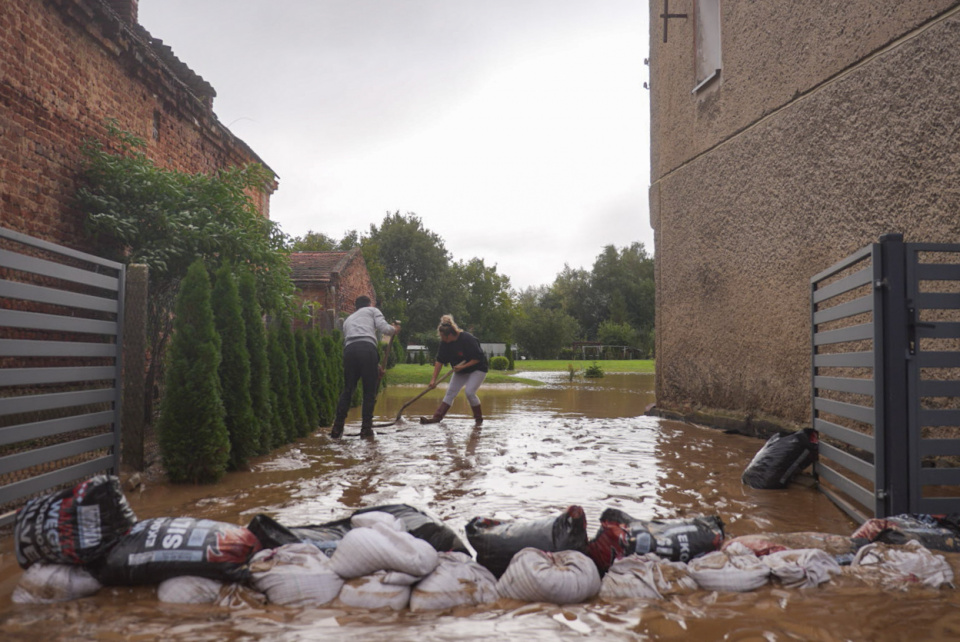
893,443
134,367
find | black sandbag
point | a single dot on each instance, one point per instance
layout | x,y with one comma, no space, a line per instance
678,540
159,549
496,542
937,532
781,459
73,526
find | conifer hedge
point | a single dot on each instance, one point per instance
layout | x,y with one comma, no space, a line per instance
256,336
283,420
193,437
306,384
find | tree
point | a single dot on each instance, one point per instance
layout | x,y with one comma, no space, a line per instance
167,219
488,308
256,336
612,333
234,371
543,332
293,391
313,242
194,442
283,420
306,384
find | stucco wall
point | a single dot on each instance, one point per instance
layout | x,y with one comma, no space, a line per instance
770,194
67,66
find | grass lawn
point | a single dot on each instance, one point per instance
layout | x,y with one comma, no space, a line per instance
561,365
411,373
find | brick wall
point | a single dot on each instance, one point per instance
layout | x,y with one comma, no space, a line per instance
67,66
353,282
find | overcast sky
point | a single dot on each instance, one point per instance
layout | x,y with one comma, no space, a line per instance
517,130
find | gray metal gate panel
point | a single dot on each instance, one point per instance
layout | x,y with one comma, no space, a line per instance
932,324
61,320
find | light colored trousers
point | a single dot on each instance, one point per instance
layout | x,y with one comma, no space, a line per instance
471,382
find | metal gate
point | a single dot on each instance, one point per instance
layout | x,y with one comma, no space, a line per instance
885,334
61,319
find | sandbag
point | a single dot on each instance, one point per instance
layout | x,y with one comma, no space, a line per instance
735,570
295,575
374,591
561,577
678,540
496,542
900,567
781,458
188,589
364,551
456,581
45,583
646,576
328,535
933,531
164,547
77,525
840,547
802,568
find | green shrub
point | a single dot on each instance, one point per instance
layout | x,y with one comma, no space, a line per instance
193,438
499,363
421,358
242,426
593,371
256,336
306,384
283,421
293,391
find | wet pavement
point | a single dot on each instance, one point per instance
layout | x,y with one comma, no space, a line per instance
541,450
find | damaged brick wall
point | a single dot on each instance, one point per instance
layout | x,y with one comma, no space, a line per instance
68,66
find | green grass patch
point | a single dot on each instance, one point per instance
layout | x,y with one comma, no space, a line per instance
562,365
413,374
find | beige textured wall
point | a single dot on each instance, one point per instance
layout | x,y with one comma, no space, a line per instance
830,126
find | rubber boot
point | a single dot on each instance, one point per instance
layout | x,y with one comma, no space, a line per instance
477,416
336,431
366,430
437,415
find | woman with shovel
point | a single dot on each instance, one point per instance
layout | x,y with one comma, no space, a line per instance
462,348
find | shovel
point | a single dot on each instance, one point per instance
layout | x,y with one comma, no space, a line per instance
404,406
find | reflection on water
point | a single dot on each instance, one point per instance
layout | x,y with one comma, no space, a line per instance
541,449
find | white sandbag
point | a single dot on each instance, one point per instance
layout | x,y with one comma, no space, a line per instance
457,580
295,575
726,571
45,583
646,576
367,520
189,589
562,577
900,567
803,568
364,551
373,592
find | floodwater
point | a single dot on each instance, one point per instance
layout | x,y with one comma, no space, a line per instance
541,450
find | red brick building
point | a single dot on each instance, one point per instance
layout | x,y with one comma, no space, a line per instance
66,66
331,281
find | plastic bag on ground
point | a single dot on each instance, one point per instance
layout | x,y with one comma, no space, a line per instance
77,525
900,567
933,531
456,581
678,540
496,542
374,591
646,577
295,575
364,551
781,459
765,543
561,577
802,568
158,549
45,583
736,569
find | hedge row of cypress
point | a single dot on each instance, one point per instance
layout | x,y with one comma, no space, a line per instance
235,387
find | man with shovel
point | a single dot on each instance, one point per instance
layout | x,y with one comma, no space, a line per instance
361,363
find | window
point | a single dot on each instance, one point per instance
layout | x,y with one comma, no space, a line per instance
707,19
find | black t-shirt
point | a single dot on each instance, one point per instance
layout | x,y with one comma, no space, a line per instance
465,347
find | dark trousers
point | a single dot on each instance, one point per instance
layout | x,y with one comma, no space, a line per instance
360,363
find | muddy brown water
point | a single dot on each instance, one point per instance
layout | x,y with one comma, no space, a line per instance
542,449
